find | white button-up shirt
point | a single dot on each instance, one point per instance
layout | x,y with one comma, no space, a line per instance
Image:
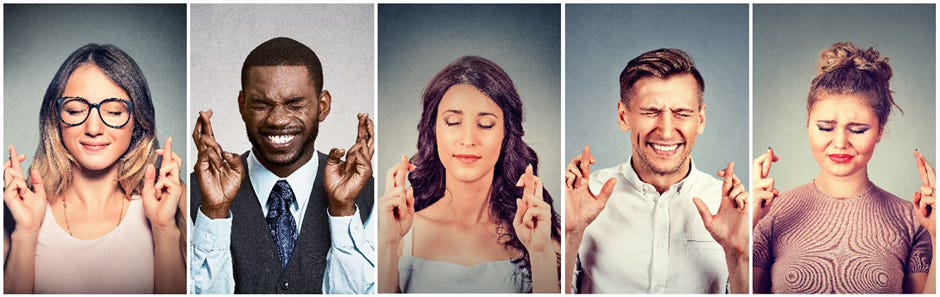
647,242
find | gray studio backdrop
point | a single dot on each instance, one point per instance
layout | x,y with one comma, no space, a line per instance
418,41
38,38
223,35
601,39
787,42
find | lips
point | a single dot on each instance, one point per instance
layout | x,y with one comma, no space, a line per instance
467,158
94,146
664,149
841,158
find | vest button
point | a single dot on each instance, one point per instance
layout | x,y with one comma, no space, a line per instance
285,285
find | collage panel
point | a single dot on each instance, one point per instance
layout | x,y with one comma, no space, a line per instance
470,107
282,181
844,136
642,98
93,94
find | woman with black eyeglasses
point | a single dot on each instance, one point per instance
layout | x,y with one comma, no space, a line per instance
99,211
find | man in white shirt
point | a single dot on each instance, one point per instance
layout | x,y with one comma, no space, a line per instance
640,233
297,224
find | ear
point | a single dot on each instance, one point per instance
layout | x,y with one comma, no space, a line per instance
243,105
325,102
701,115
622,116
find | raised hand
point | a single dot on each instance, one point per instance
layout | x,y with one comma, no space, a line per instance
26,203
764,191
161,196
925,200
729,226
219,173
533,221
397,205
582,207
344,180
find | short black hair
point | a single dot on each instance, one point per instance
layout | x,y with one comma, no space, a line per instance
283,51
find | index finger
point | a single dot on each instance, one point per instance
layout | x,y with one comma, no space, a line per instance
926,172
765,168
167,153
728,179
528,181
401,175
585,165
15,159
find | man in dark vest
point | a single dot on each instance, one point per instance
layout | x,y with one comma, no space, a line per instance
282,217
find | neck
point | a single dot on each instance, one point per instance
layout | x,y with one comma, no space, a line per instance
470,200
283,171
93,188
661,182
843,186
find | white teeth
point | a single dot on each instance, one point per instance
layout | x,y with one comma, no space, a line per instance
280,139
665,148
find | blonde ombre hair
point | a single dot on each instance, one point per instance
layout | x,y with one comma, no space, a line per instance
54,163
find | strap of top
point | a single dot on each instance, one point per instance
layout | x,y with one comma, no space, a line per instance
408,241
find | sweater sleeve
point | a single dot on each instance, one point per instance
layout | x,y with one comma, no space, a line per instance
921,253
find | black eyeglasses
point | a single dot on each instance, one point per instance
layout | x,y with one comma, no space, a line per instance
114,112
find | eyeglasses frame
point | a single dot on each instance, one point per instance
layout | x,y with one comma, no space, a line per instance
61,101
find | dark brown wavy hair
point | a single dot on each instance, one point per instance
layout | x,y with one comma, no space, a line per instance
428,179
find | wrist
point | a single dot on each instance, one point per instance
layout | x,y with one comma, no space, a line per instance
166,233
341,209
737,259
216,212
24,236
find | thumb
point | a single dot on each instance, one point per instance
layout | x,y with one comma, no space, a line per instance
606,191
335,156
703,210
150,177
37,184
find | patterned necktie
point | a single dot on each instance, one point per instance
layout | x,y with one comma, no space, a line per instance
281,222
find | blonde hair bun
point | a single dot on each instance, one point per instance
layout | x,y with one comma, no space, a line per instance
846,56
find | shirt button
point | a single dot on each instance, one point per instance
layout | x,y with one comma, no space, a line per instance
285,285
660,245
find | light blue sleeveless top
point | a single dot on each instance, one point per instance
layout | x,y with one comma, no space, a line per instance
418,275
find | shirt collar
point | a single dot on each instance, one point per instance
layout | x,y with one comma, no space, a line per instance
301,181
629,173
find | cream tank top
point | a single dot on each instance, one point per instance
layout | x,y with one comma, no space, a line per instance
118,262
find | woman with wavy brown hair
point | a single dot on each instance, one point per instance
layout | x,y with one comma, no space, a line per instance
476,218
100,211
841,233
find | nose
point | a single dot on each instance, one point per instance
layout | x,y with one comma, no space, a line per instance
840,140
667,125
93,125
279,116
468,136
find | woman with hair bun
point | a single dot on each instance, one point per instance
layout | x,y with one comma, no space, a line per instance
841,233
476,218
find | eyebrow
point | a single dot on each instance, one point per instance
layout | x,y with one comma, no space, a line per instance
287,101
833,122
484,113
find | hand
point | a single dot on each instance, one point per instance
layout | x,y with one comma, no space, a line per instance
162,197
925,200
28,206
344,180
582,207
729,227
397,205
764,191
533,221
218,173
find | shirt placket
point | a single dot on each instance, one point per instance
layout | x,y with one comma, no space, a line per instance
660,260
